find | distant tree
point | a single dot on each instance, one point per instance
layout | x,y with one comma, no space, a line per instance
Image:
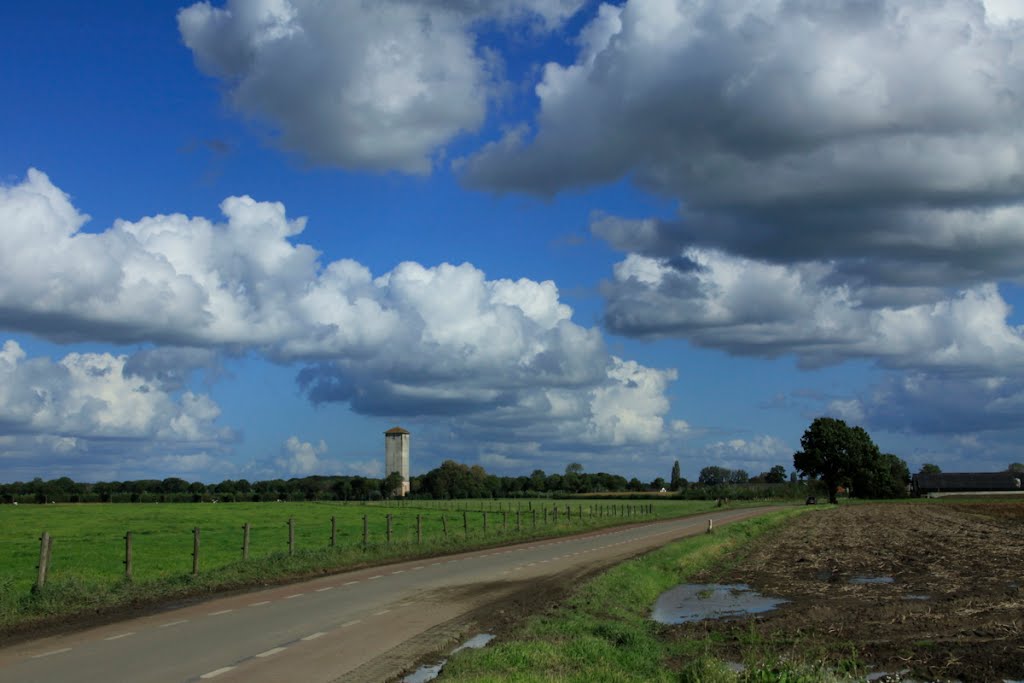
342,489
714,475
676,477
738,477
573,480
658,484
174,485
1017,467
636,485
776,475
884,477
929,468
834,452
391,485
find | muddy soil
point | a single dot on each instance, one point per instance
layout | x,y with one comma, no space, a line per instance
953,611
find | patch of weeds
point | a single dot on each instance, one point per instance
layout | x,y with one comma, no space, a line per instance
706,669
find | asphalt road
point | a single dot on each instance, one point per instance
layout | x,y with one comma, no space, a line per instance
364,625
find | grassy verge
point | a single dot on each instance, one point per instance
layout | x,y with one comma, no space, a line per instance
86,574
603,631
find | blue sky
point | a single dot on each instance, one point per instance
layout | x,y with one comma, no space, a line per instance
556,231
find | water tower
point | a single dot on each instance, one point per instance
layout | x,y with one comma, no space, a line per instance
396,456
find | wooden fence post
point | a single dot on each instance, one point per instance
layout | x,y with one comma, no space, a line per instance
419,529
291,536
534,513
245,541
504,521
366,532
465,523
444,526
334,531
555,510
519,526
128,555
485,523
389,528
195,551
45,544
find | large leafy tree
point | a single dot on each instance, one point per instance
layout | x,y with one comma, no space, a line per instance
884,477
713,475
776,475
675,481
835,452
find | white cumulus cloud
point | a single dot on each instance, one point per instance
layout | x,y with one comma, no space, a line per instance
368,85
499,355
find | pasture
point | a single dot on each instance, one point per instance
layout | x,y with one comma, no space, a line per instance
87,571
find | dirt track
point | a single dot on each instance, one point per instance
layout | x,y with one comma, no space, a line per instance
955,608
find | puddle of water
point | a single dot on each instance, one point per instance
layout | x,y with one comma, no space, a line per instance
429,672
885,676
425,673
912,596
476,642
697,601
871,579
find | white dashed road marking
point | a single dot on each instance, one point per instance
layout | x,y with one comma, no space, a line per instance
374,578
259,604
52,652
349,583
271,651
314,636
325,588
120,635
217,672
223,611
290,597
173,623
351,623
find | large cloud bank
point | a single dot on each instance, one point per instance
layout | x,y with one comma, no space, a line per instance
378,85
498,358
87,409
848,174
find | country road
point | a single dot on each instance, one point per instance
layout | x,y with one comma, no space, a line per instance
365,625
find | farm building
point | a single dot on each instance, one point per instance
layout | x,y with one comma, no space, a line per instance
966,482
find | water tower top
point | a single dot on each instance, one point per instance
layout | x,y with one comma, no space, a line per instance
396,430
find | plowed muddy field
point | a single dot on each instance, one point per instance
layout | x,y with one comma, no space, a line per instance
930,590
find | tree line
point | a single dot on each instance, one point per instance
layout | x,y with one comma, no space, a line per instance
834,456
450,480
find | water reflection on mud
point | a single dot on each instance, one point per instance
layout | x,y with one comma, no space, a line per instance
698,601
429,672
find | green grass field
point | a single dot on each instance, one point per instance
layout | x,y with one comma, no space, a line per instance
87,571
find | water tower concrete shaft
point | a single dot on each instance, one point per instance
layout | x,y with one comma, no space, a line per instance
396,457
